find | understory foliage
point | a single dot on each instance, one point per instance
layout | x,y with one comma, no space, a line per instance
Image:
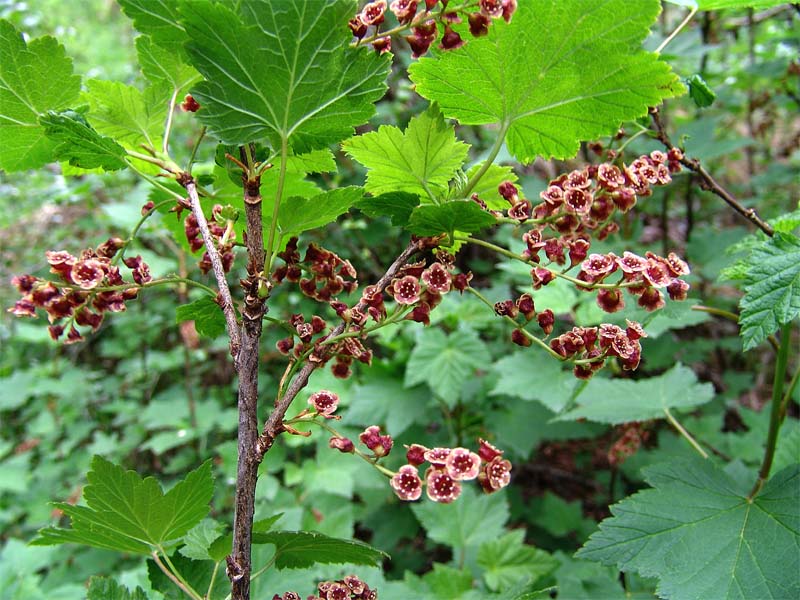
402,299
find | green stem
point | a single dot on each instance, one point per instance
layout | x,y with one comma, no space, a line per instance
168,126
153,283
152,181
496,147
195,148
682,430
213,578
775,412
507,253
173,574
677,31
135,230
273,226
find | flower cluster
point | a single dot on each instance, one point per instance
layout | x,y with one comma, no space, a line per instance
590,346
425,24
220,228
348,588
327,275
448,468
89,285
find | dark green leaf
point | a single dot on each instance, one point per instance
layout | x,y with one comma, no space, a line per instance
297,215
397,205
557,74
129,514
103,588
465,216
206,314
79,144
292,95
621,400
34,78
699,534
772,288
420,160
159,20
700,91
302,549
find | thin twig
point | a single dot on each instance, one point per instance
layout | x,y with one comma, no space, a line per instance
274,425
216,262
708,182
682,430
187,590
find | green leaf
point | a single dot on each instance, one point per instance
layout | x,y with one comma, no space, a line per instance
197,573
468,522
159,20
125,113
556,75
79,144
622,400
292,95
446,583
699,534
420,160
200,538
445,362
303,549
206,314
533,375
462,215
297,214
382,398
772,288
34,78
722,4
127,513
700,91
396,205
507,561
487,185
104,588
164,68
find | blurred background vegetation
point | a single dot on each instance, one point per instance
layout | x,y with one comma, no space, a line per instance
152,395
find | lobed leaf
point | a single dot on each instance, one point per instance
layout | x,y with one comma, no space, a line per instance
282,71
104,588
298,214
129,514
125,113
303,549
699,534
206,314
81,145
559,73
532,375
398,206
34,77
772,288
461,215
420,160
508,560
164,68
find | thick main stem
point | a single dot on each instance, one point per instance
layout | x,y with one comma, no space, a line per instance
239,561
775,410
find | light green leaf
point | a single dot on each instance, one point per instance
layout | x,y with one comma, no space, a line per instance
303,549
127,513
200,538
507,561
316,161
723,4
34,78
559,73
420,160
164,68
446,583
79,144
159,20
297,215
461,215
125,113
699,534
445,362
104,588
292,95
468,522
396,205
622,400
206,314
772,288
487,185
534,375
